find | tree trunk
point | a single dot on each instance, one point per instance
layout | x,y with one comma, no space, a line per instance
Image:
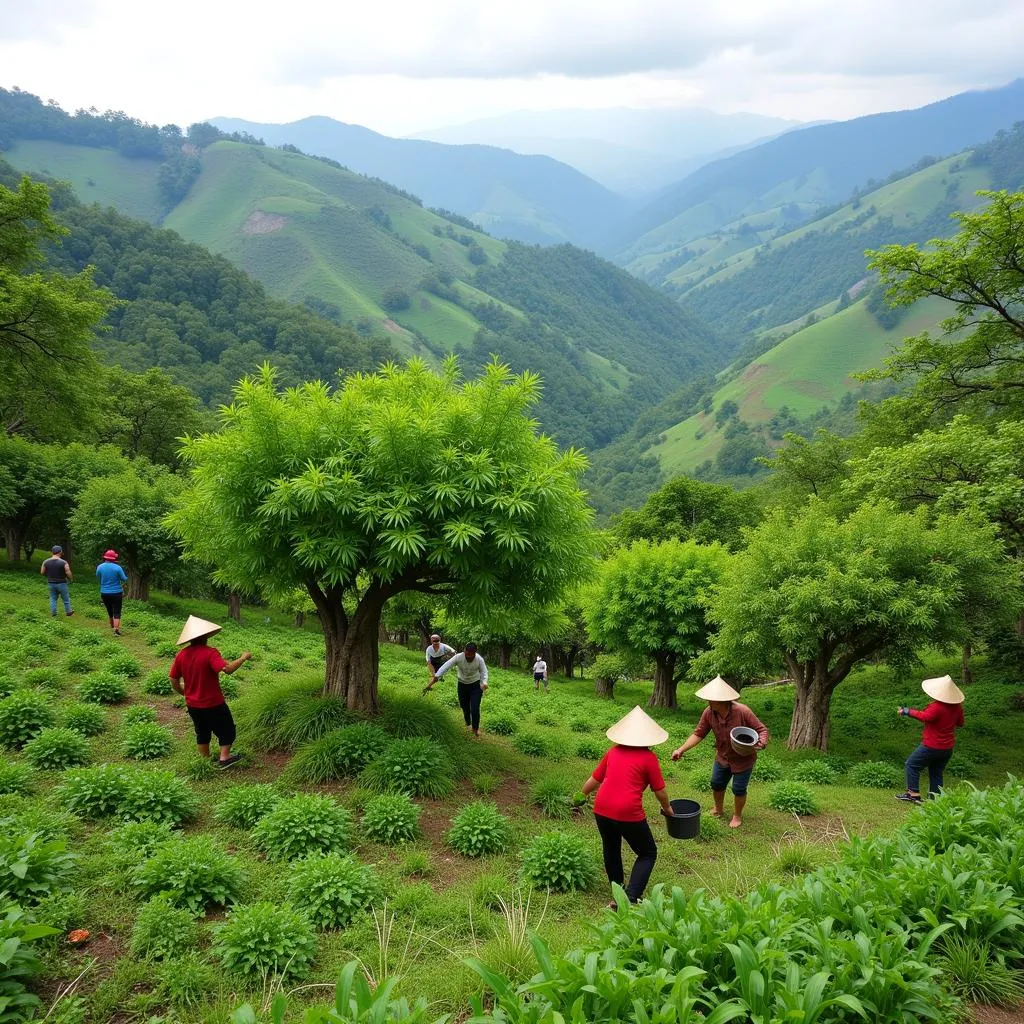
664,693
604,688
382,633
966,675
569,662
810,726
138,585
13,538
300,618
504,654
235,606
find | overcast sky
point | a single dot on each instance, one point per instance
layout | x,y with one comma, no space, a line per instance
401,66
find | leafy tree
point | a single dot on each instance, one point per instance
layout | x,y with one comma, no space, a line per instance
127,512
400,480
823,595
691,509
649,601
47,321
804,467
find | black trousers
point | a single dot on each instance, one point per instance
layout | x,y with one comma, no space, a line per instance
934,760
470,695
641,842
112,602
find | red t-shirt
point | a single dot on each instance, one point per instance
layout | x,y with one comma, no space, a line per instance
199,666
940,724
624,774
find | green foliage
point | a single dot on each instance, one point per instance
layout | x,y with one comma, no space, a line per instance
818,772
591,749
16,777
103,688
138,714
302,825
191,872
478,830
581,725
875,775
32,866
187,980
558,861
146,740
18,963
23,715
485,783
308,718
155,795
792,798
56,748
767,769
94,792
341,753
261,712
87,719
417,766
124,663
406,717
138,839
263,940
977,973
157,683
392,819
79,661
502,724
243,806
331,889
533,744
553,795
163,931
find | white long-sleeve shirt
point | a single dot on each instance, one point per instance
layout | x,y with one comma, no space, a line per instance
474,671
443,651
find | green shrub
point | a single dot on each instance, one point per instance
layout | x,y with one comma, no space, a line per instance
416,865
147,740
792,798
229,687
261,712
24,715
308,718
392,819
338,754
94,792
32,866
531,743
55,749
187,981
580,725
243,806
976,972
552,794
417,766
136,840
166,649
192,872
163,931
479,829
767,769
301,826
546,718
875,775
103,688
263,940
558,861
198,768
485,783
20,963
43,678
138,714
502,724
819,773
157,683
16,778
700,778
87,719
124,663
157,795
711,828
331,889
79,661
408,717
591,749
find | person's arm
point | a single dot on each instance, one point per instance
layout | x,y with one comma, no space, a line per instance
662,797
929,714
590,786
434,676
483,673
691,741
762,730
175,676
426,654
67,570
597,777
234,666
42,569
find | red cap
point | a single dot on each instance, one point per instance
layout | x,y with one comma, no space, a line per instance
111,555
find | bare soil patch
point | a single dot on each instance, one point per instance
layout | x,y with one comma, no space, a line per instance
390,325
260,223
998,1015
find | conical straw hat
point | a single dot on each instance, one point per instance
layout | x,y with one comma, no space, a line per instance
637,729
943,689
197,627
717,689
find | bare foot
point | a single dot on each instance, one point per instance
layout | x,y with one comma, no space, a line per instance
735,822
715,814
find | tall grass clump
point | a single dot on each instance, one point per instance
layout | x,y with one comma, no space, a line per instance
339,754
417,767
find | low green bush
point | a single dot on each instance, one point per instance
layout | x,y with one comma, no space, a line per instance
124,663
548,719
531,743
263,941
792,798
552,794
103,688
875,775
976,972
332,889
260,713
157,795
818,773
244,805
20,963
163,931
16,777
55,749
78,661
136,840
417,767
138,714
408,717
31,865
24,715
391,819
767,769
94,792
591,749
303,825
308,718
479,829
191,872
186,982
581,725
502,723
147,740
339,754
485,783
87,719
558,861
157,683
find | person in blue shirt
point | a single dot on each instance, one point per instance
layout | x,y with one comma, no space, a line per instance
112,579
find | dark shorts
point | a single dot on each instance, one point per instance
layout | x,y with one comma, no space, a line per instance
538,677
215,721
112,602
722,773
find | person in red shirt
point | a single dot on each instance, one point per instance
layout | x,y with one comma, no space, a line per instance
941,720
723,714
621,778
195,675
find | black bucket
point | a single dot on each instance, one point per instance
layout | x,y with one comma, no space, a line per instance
684,821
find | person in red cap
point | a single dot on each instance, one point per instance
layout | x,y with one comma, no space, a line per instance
195,675
112,579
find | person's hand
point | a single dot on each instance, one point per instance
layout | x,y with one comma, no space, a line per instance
676,754
483,686
246,655
902,711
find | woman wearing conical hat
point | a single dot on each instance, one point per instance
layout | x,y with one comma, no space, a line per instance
622,777
723,714
941,720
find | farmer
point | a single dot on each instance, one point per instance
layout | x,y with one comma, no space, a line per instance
941,720
58,576
620,779
194,674
723,714
540,673
472,675
437,653
112,579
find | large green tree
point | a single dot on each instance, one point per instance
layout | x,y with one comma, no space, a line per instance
821,595
399,480
649,601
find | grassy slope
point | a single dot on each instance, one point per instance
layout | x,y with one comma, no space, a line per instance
443,914
807,370
98,175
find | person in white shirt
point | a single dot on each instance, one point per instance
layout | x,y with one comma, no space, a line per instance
472,675
540,673
437,653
